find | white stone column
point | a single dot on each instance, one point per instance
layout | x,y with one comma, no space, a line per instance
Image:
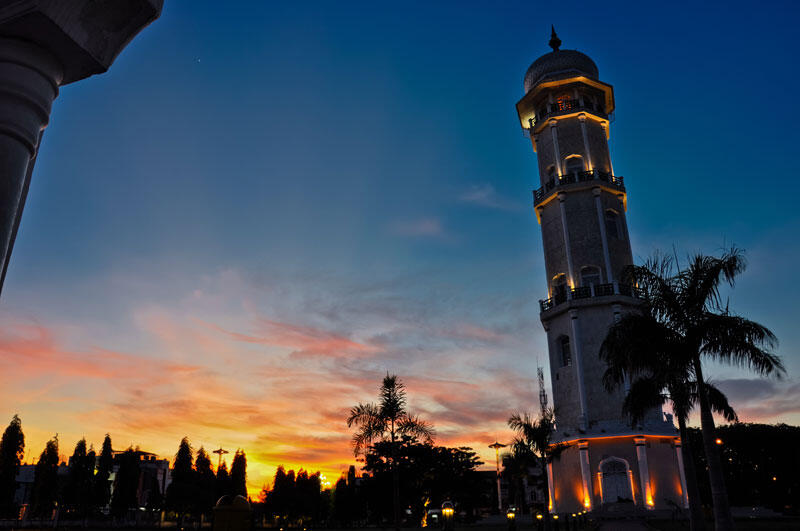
582,118
586,475
29,80
679,456
644,472
567,249
576,336
44,45
556,150
601,220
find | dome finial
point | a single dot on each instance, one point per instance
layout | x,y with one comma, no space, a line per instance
555,42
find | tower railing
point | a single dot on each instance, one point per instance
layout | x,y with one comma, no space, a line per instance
563,294
540,194
563,107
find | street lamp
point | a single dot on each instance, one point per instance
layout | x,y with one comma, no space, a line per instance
496,445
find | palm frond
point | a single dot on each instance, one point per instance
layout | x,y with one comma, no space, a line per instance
719,403
416,427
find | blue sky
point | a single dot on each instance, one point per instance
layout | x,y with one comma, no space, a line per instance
252,179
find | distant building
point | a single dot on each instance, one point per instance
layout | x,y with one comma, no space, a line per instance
154,478
566,111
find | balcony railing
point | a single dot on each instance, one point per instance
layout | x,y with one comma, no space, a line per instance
565,106
587,292
576,177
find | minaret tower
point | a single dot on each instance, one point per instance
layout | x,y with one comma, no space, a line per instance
580,205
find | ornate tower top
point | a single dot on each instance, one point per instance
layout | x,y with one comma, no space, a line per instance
555,42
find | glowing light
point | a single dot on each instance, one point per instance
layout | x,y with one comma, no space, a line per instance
774,478
719,441
510,515
447,511
650,500
555,517
538,516
587,503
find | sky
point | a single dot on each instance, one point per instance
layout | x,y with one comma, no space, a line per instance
262,208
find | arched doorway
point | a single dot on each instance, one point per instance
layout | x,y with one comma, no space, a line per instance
614,481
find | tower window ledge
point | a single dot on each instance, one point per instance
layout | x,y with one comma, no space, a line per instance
593,176
590,292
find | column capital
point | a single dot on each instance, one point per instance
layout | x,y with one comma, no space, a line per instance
582,117
84,35
596,191
573,313
639,441
561,197
583,445
553,123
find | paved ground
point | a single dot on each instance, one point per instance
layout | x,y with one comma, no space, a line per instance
622,525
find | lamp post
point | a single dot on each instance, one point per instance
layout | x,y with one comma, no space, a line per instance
496,445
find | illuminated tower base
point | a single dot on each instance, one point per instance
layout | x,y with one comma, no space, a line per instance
581,207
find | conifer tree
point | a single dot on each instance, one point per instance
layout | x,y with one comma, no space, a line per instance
182,492
222,481
12,450
79,482
45,480
239,474
126,484
206,482
102,480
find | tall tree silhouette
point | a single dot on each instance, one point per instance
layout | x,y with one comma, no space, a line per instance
206,482
663,375
102,479
126,484
685,310
238,483
387,421
183,490
12,450
78,492
45,480
222,483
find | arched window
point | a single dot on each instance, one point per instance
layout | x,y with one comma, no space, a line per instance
612,224
574,164
564,350
590,275
615,480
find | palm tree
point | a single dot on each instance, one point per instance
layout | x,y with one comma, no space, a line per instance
387,421
683,321
660,377
535,438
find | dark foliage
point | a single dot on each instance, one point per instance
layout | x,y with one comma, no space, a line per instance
102,479
238,481
45,482
126,484
429,475
12,450
78,491
295,499
761,465
206,483
183,491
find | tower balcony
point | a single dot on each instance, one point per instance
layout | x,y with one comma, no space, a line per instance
558,183
588,292
560,108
